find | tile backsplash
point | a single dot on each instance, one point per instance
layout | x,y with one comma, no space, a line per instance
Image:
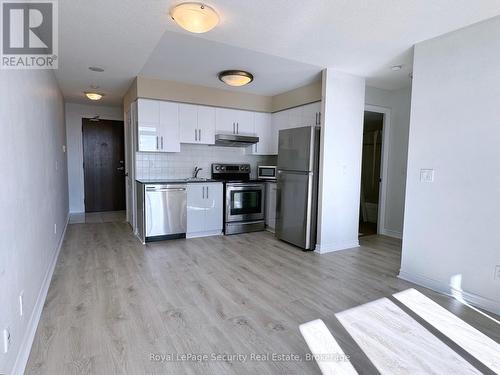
181,164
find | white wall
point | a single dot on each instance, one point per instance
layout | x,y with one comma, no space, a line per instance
33,197
398,102
343,102
74,115
451,231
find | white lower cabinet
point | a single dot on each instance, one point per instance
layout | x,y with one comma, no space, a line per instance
271,190
204,209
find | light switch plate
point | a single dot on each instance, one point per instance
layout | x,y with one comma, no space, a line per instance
427,175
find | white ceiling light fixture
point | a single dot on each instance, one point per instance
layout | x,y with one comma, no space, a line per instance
235,77
396,68
195,17
94,95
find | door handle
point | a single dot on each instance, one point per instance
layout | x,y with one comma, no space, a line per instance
120,168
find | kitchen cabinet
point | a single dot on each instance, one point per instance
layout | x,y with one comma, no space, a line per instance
233,121
197,124
204,209
157,126
311,114
271,191
263,129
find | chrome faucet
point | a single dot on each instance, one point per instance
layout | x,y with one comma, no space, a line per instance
196,170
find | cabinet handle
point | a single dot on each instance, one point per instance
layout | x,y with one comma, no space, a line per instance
199,134
319,118
316,118
157,144
234,127
207,192
162,142
203,192
195,135
237,128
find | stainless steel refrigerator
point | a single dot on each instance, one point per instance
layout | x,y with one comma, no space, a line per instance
297,188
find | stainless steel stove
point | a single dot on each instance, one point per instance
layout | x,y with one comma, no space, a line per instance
244,198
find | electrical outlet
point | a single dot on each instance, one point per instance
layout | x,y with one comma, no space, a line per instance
427,175
6,340
55,228
21,303
497,273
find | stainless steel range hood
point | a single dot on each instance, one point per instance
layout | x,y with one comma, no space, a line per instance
234,140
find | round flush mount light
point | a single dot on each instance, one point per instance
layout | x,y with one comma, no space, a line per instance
94,95
395,68
235,77
195,17
96,69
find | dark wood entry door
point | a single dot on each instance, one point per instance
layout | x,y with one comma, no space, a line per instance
104,165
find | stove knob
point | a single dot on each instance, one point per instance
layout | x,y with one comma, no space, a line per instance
217,168
247,169
223,168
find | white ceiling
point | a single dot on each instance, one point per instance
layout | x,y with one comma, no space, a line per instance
185,58
362,37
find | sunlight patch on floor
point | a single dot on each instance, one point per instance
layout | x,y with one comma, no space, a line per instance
463,334
397,344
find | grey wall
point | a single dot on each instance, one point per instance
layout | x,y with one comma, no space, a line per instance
33,198
451,233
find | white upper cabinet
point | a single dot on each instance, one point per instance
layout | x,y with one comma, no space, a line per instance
245,122
148,125
233,121
294,117
157,126
206,125
264,130
169,127
311,114
188,122
197,124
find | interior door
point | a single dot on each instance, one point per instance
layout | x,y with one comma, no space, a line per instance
104,165
292,208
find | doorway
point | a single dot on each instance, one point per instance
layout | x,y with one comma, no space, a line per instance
103,165
371,171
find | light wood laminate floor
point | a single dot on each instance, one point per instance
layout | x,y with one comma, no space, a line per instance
114,303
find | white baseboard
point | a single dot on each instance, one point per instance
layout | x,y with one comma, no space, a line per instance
328,248
444,287
29,336
391,233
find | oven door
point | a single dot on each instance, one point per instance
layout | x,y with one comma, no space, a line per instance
244,201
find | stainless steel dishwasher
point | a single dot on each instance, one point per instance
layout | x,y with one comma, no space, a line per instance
165,211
